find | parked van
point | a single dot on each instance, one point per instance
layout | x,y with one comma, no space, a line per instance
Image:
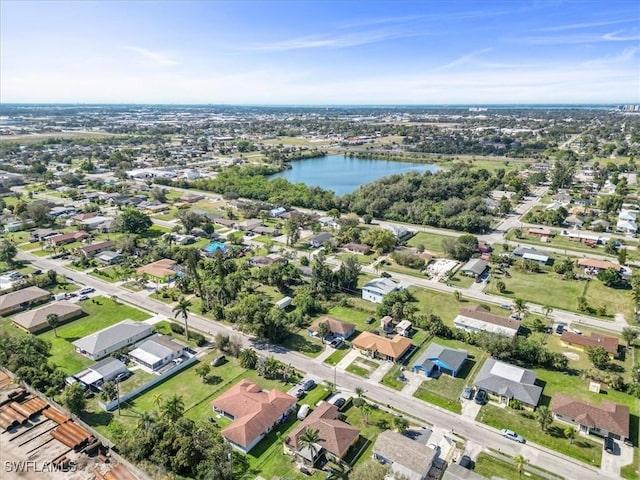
303,412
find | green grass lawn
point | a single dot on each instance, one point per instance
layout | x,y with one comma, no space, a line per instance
338,355
490,466
632,471
301,341
524,423
392,266
461,281
98,316
362,367
362,259
440,393
62,287
437,303
105,274
432,242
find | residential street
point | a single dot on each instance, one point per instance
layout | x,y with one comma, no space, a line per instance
464,426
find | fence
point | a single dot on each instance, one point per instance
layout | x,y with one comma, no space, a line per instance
145,386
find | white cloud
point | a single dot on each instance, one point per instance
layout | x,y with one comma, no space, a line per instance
578,26
627,55
152,57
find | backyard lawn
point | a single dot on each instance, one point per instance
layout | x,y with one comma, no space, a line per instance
99,315
524,423
491,466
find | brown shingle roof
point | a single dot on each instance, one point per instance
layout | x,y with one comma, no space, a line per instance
393,348
480,313
337,435
254,410
610,344
36,319
97,246
67,237
598,264
335,325
610,416
159,269
15,299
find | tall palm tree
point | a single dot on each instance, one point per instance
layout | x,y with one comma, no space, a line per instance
520,306
145,422
519,461
173,408
365,411
157,400
338,471
192,261
53,320
182,309
248,358
360,392
310,439
547,310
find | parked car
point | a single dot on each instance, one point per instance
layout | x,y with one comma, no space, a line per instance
576,331
481,397
336,343
435,447
560,329
300,393
37,272
466,462
82,298
122,376
308,385
303,412
339,402
369,320
609,445
505,306
87,290
467,392
219,360
511,435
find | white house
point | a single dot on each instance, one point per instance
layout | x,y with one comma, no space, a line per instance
103,342
398,230
156,352
375,290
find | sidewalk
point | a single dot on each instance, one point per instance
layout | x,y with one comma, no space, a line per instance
346,361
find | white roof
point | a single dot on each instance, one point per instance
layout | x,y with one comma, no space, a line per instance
404,325
144,356
476,324
90,377
381,285
538,257
508,371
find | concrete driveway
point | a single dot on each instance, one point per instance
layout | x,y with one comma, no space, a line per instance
611,463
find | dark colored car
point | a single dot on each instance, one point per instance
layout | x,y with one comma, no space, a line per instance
369,320
308,385
466,462
609,445
219,360
300,393
481,397
560,329
339,402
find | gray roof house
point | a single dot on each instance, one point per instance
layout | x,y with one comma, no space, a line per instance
103,371
375,290
456,472
509,382
440,358
103,342
404,456
531,254
474,267
318,240
156,352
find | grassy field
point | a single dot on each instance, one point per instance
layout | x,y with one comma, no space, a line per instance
35,138
432,242
439,303
99,316
524,423
490,466
338,355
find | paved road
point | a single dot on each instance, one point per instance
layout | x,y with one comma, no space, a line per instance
468,428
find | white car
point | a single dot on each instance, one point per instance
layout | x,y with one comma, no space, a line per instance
511,435
576,331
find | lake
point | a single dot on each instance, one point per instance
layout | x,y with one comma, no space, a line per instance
343,174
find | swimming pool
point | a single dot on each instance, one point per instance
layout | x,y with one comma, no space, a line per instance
213,246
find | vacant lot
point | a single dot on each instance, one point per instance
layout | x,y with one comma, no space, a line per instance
490,466
432,242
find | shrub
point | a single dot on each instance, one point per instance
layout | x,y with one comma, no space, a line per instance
198,338
177,328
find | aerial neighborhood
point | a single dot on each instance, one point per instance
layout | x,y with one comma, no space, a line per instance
174,303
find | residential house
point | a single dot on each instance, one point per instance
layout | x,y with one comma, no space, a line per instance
509,382
532,255
474,267
42,234
610,344
398,231
276,212
319,240
225,222
18,225
601,224
607,420
328,222
254,413
478,319
78,219
101,372
21,299
410,459
573,221
627,226
155,352
110,257
191,198
629,215
357,248
261,230
108,340
384,348
249,224
438,358
592,266
336,327
404,328
456,472
89,251
337,437
101,223
163,270
376,289
65,238
35,320
542,233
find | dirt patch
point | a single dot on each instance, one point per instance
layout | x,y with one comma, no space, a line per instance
571,356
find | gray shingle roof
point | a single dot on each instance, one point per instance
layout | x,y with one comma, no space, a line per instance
404,451
475,265
105,338
509,380
449,356
107,367
160,346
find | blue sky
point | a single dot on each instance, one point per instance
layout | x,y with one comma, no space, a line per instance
320,52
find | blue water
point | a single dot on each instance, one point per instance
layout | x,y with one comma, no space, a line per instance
213,246
344,175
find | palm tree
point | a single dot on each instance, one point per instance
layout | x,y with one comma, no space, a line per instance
365,411
544,417
157,400
338,471
182,309
629,334
145,422
519,462
310,439
173,408
401,424
248,358
360,392
547,310
570,433
520,306
192,261
53,320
